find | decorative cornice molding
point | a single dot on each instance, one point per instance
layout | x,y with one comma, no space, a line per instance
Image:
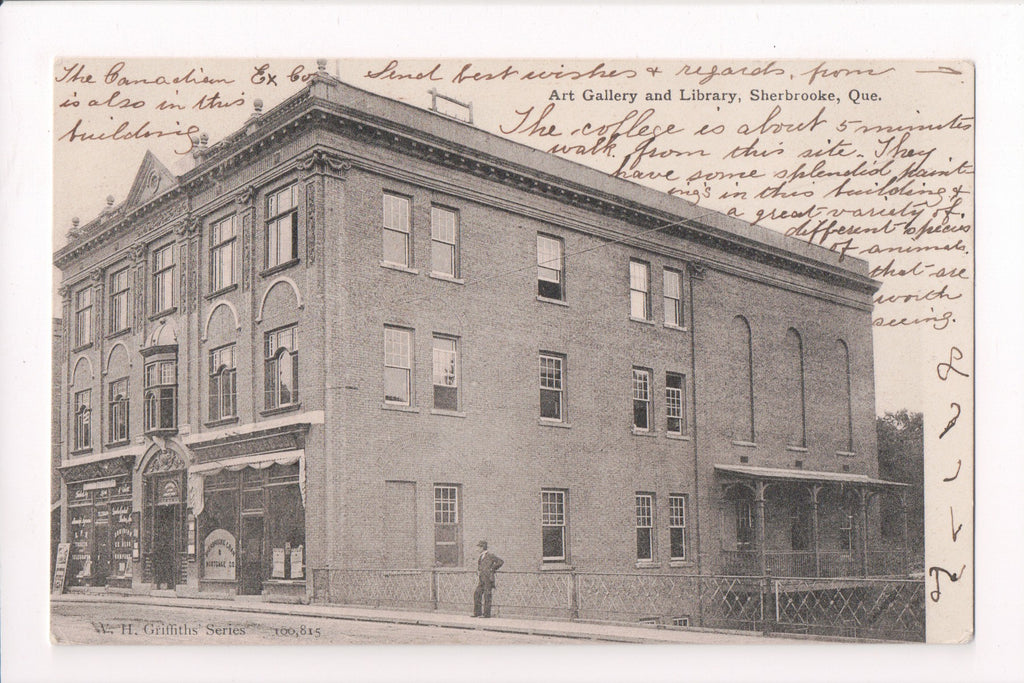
322,161
246,196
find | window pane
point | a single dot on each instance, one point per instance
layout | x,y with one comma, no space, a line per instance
643,544
678,543
549,267
396,385
551,404
442,258
396,247
553,542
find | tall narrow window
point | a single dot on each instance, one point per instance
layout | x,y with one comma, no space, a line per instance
118,408
222,383
845,398
553,523
163,278
644,526
281,363
282,226
119,297
396,230
744,525
641,399
446,373
794,394
639,290
160,399
741,379
83,420
845,530
552,396
444,241
675,403
223,253
447,531
677,526
673,287
550,268
397,366
83,316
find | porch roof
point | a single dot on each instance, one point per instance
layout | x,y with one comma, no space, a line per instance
747,472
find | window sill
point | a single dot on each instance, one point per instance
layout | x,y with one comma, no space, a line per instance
670,326
797,449
444,276
449,413
81,451
116,444
744,444
678,437
267,272
164,313
680,564
286,582
556,302
221,422
221,292
642,321
643,432
647,564
399,408
170,431
545,422
270,412
556,566
399,267
846,454
82,347
119,333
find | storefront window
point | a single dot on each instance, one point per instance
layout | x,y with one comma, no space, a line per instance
218,528
286,527
99,515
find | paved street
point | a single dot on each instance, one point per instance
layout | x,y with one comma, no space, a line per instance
106,623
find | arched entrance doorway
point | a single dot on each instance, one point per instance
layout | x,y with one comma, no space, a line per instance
163,482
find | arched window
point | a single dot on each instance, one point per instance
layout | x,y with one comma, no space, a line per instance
281,368
223,403
743,378
83,420
845,398
160,400
793,398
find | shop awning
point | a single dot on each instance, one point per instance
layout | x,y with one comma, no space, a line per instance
775,474
260,461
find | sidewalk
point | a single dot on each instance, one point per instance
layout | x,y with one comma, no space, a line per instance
574,630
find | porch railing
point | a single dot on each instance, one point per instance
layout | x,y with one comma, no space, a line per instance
826,564
858,607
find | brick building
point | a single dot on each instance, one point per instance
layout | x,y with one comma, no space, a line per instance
362,335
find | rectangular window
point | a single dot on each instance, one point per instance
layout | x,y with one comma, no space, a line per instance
744,525
83,420
639,290
446,373
552,394
846,531
223,403
163,279
673,298
447,533
444,241
119,297
677,526
680,621
397,366
281,362
644,526
396,230
223,253
550,268
553,523
161,389
283,226
675,403
118,404
641,399
83,316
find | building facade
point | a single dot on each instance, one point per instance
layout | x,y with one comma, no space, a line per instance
361,335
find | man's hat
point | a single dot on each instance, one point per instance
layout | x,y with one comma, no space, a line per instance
482,544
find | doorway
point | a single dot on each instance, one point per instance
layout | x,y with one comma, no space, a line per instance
101,554
251,548
164,550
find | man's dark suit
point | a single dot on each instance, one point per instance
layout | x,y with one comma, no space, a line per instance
486,566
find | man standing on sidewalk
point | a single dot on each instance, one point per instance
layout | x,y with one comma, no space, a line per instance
486,566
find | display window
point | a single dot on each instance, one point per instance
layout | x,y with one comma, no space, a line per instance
100,532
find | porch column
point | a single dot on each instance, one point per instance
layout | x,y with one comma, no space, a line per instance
759,487
906,534
862,510
815,489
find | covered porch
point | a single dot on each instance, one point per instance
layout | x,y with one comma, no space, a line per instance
803,523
